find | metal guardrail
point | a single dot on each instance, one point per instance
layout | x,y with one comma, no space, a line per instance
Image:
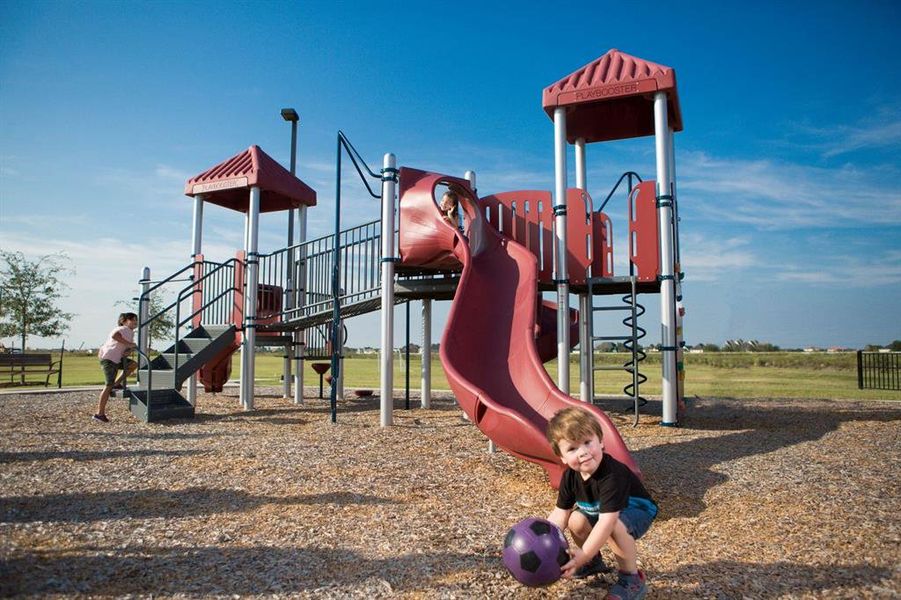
878,370
360,275
217,282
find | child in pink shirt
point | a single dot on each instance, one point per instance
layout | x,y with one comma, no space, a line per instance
112,356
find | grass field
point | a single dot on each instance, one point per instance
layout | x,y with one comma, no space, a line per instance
738,375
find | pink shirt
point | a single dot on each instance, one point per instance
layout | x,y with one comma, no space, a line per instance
113,350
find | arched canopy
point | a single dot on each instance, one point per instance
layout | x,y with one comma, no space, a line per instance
226,184
612,98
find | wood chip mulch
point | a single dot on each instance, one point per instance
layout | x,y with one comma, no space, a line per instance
760,499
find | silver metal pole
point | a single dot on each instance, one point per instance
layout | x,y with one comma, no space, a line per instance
677,271
667,284
561,276
425,399
586,374
248,349
300,300
387,355
144,314
289,266
196,243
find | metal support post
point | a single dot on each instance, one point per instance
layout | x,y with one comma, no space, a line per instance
290,115
389,181
586,373
143,315
677,272
667,283
196,244
561,277
248,347
300,300
425,394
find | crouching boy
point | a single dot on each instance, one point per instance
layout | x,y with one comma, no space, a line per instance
601,501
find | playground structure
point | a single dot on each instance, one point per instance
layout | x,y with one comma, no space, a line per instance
513,246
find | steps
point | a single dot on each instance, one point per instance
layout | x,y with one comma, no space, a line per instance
171,369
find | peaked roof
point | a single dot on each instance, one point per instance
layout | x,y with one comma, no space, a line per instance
612,98
227,183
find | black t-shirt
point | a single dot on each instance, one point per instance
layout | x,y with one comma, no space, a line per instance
611,488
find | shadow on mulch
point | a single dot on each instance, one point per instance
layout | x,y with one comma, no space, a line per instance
81,455
734,579
760,429
151,504
250,571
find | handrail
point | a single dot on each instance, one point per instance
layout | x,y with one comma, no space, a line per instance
336,263
630,175
180,296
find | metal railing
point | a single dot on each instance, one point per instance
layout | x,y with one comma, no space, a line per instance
217,285
878,370
359,276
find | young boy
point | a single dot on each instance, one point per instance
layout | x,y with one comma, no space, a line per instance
601,501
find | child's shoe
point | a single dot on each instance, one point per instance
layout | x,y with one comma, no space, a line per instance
631,586
593,567
101,418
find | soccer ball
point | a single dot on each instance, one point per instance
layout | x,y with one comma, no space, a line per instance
534,551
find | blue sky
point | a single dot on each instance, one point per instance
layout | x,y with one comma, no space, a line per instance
788,167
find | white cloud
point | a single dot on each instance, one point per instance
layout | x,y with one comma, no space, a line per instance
773,195
705,258
849,271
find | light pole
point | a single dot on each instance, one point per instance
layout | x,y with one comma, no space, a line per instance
290,115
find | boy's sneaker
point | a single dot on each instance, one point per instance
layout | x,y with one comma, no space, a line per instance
101,418
593,567
631,586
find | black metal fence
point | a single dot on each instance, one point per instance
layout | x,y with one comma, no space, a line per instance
879,370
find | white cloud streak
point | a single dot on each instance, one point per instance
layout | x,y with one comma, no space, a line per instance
770,195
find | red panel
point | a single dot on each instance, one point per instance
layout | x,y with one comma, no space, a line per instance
488,347
527,217
602,264
546,337
269,307
534,218
644,239
611,98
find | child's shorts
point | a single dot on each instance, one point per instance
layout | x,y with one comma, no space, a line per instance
636,520
109,369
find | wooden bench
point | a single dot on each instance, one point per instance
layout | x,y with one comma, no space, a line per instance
28,368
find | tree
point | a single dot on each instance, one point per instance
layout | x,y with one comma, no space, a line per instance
29,291
895,345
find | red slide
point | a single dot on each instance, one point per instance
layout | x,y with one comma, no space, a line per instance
488,348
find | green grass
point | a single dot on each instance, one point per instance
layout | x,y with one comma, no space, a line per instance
738,375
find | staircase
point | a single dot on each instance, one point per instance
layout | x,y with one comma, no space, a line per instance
169,370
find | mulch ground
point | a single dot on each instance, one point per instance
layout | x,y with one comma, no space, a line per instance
759,499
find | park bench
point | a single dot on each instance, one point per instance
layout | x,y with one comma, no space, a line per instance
29,368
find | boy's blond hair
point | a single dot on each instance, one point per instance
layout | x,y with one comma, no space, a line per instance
572,424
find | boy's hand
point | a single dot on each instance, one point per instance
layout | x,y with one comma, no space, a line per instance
577,559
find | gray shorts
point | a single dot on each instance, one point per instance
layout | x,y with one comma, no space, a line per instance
109,369
636,520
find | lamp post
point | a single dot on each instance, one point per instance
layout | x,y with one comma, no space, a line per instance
290,115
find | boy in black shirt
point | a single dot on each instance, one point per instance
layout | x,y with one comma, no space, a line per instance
601,501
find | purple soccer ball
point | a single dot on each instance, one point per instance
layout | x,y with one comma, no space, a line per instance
534,551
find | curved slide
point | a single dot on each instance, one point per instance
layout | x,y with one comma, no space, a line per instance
488,347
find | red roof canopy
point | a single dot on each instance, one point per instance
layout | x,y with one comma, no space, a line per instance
612,98
227,183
